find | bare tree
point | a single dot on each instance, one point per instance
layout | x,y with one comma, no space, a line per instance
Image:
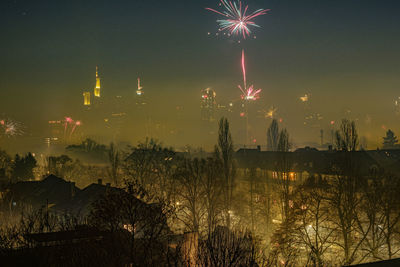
212,186
347,136
225,153
390,207
313,229
139,163
164,165
190,176
142,216
284,252
227,248
344,194
150,163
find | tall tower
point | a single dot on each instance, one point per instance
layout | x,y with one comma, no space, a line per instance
140,97
139,88
86,98
98,87
208,104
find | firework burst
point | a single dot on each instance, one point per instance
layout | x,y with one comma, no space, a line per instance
270,113
70,126
237,21
248,93
11,128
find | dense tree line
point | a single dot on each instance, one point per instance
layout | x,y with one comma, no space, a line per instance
239,217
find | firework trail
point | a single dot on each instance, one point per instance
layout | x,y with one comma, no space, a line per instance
244,70
236,20
67,121
248,93
77,123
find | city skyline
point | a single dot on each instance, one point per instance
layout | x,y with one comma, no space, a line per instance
344,53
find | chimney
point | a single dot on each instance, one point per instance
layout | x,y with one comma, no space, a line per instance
108,184
100,181
330,147
259,148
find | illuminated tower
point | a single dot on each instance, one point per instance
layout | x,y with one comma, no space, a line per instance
139,90
140,97
208,104
86,98
97,88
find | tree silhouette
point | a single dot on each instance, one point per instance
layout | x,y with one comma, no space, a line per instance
390,140
22,168
273,136
347,137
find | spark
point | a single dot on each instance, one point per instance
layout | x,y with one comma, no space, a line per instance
236,20
248,93
270,113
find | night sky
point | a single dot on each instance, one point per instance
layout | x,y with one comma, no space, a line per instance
346,53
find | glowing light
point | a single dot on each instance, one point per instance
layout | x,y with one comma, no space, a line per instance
236,20
98,87
248,93
86,98
305,98
271,112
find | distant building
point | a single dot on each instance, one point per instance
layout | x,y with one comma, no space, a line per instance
86,98
208,104
98,86
55,133
139,90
